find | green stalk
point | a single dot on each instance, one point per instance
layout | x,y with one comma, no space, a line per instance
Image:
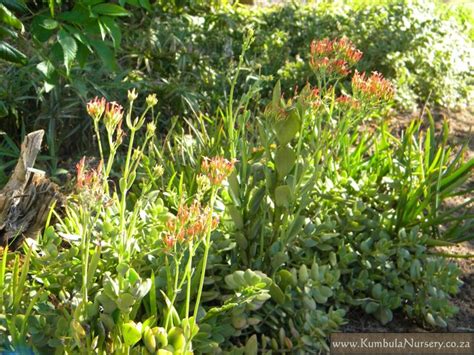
123,197
85,262
97,133
175,288
3,268
189,277
206,252
126,173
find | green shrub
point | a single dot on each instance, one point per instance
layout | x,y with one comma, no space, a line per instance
427,56
186,54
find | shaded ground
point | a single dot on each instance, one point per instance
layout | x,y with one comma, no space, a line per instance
461,124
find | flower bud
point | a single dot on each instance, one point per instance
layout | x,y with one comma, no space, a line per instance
96,107
132,95
151,100
149,340
161,336
150,129
203,183
137,154
158,171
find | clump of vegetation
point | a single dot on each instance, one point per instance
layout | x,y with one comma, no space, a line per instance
185,52
309,207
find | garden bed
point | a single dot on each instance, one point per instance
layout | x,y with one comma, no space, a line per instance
461,124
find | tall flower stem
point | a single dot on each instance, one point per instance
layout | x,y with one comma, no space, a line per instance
207,246
189,276
99,141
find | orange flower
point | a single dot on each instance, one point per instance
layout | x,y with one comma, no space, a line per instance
217,169
169,241
191,222
96,107
113,115
346,102
334,57
374,88
90,180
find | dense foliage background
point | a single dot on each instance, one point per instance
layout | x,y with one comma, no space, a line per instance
310,207
187,51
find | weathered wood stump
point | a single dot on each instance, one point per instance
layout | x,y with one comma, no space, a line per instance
26,199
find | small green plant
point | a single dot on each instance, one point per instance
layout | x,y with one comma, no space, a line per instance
133,272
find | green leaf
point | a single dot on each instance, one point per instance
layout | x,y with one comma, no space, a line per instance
5,32
236,215
82,54
145,4
276,94
125,302
77,16
11,54
17,5
371,307
112,29
93,266
251,347
92,2
110,10
325,291
105,54
461,173
8,18
131,333
78,329
285,159
133,276
287,129
48,23
286,278
144,288
107,303
384,315
283,196
69,46
277,294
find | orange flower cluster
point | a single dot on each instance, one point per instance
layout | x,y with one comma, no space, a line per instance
96,107
113,111
374,87
113,114
191,222
346,102
217,169
334,57
91,180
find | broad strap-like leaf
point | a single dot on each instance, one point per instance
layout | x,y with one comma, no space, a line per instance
15,5
11,54
8,18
